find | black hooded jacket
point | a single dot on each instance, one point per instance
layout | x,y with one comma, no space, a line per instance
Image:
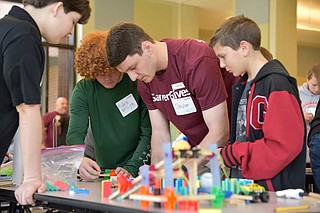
274,153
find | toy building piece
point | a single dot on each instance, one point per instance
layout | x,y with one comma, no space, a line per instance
168,169
256,191
170,195
182,144
134,183
145,175
51,187
193,175
214,166
217,203
168,177
123,184
144,188
79,191
157,192
106,188
106,174
61,185
151,198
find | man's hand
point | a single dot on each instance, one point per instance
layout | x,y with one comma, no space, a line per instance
122,171
24,194
89,170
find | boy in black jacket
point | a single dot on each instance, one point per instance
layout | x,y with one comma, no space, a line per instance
267,126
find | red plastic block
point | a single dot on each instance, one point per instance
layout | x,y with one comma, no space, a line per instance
123,184
193,205
106,188
182,205
61,185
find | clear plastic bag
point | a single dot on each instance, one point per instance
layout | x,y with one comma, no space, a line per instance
61,163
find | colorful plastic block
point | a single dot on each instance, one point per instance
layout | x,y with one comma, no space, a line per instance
106,188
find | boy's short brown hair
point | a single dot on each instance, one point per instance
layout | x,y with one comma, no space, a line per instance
314,71
80,6
237,29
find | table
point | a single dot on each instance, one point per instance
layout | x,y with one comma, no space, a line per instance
93,202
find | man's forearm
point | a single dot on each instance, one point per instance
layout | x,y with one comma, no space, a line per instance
156,152
157,146
220,139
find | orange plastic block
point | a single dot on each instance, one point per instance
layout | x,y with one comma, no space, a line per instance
113,172
144,190
169,193
106,188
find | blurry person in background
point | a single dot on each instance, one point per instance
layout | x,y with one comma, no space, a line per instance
310,93
56,124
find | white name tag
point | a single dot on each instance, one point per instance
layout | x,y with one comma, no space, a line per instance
183,106
177,86
127,105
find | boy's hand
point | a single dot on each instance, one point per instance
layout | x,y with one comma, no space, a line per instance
24,194
89,170
122,171
220,160
308,116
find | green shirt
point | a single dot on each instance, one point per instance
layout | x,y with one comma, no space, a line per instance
118,141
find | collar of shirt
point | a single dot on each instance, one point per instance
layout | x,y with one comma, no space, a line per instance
21,14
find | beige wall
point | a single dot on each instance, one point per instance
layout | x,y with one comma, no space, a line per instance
283,33
308,56
169,20
163,19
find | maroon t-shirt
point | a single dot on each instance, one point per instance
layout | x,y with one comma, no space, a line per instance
191,84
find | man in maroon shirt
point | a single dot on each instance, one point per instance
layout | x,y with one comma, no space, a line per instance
56,124
179,80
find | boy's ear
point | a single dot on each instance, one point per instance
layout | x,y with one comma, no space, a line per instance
245,47
56,7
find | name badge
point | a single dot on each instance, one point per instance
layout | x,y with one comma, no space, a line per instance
183,106
127,105
177,86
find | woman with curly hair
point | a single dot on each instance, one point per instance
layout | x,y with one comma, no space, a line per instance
119,120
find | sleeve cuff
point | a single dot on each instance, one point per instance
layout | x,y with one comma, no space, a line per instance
228,157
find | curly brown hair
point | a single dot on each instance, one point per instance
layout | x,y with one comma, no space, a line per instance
91,58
